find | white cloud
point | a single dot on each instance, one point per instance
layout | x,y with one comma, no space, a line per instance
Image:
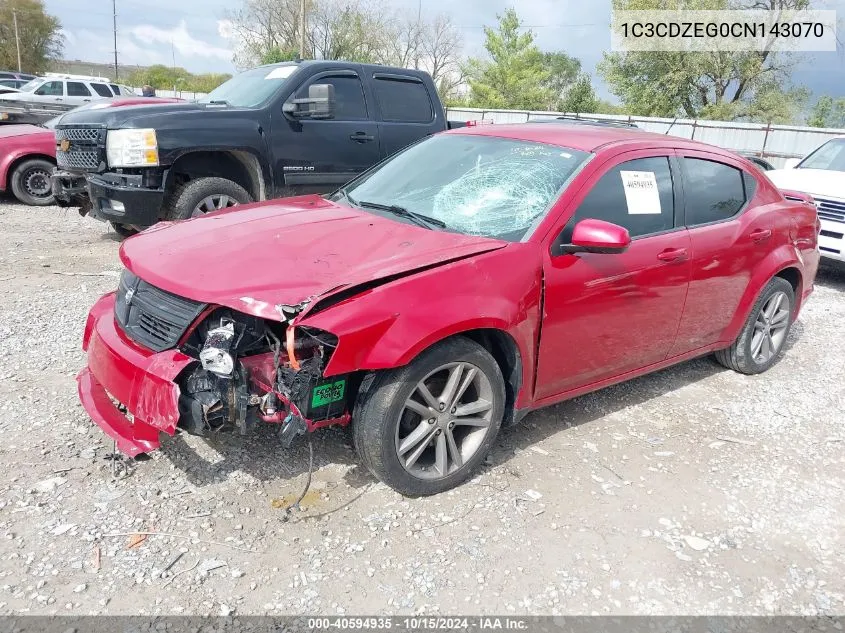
225,29
185,44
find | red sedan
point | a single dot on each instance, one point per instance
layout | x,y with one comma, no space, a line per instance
473,277
28,153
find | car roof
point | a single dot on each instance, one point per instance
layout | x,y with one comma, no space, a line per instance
584,137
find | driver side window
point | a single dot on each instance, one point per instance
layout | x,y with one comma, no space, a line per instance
636,194
51,89
348,96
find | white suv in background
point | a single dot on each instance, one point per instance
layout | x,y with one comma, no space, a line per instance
822,175
69,90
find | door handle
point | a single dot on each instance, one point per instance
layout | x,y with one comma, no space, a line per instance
672,255
361,137
761,235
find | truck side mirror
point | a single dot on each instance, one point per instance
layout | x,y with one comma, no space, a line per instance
320,103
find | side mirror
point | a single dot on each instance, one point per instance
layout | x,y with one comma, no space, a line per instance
790,163
597,236
319,104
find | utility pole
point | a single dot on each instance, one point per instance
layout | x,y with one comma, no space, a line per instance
17,37
301,29
114,17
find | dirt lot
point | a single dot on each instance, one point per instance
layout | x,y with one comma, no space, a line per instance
691,491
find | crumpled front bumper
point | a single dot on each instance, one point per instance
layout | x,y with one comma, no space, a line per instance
139,379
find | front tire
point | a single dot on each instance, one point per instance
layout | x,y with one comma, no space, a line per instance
198,197
31,182
426,427
765,331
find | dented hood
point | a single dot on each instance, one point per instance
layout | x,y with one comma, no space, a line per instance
253,258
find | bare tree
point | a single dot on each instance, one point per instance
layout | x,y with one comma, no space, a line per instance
354,30
441,46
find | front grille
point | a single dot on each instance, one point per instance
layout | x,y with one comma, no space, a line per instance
152,317
830,209
86,151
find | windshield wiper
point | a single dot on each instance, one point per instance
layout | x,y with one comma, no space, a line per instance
419,219
218,102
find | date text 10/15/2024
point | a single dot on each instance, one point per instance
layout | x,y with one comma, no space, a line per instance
482,623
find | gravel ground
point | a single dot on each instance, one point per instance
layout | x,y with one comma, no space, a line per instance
691,491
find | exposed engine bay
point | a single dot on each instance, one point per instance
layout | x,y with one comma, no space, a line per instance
251,370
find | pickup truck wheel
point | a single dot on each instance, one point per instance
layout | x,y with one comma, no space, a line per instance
427,426
31,182
764,333
197,197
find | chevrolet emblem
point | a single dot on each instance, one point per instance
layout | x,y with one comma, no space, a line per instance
64,145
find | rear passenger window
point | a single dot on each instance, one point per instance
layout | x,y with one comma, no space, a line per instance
76,89
405,101
713,191
102,90
637,194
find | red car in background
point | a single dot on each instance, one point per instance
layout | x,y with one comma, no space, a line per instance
471,278
28,152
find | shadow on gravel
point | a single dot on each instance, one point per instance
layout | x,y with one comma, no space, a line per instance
831,277
261,455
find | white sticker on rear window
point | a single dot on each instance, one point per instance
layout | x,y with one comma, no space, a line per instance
641,192
280,72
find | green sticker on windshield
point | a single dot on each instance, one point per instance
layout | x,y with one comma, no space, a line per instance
326,394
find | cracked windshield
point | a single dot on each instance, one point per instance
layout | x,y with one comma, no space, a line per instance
477,185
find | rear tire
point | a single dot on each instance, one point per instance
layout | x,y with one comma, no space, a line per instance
426,442
198,197
31,182
765,331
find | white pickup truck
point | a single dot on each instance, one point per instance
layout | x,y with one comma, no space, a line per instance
822,175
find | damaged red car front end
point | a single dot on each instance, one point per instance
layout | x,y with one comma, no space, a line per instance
196,343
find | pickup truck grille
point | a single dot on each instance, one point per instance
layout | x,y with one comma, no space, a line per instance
80,148
830,209
150,316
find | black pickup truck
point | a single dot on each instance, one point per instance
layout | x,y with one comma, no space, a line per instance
273,131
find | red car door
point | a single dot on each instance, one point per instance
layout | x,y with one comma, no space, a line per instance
729,235
608,314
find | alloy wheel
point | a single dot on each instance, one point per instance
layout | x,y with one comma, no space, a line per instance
213,203
437,434
770,328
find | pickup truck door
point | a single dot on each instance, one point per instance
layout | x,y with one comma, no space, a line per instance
320,155
408,111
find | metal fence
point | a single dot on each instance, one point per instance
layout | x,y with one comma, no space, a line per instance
775,143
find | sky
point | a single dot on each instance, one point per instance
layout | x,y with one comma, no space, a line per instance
193,35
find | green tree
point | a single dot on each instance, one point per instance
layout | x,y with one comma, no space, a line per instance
828,112
276,55
515,75
580,97
206,82
563,74
40,36
161,77
725,85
